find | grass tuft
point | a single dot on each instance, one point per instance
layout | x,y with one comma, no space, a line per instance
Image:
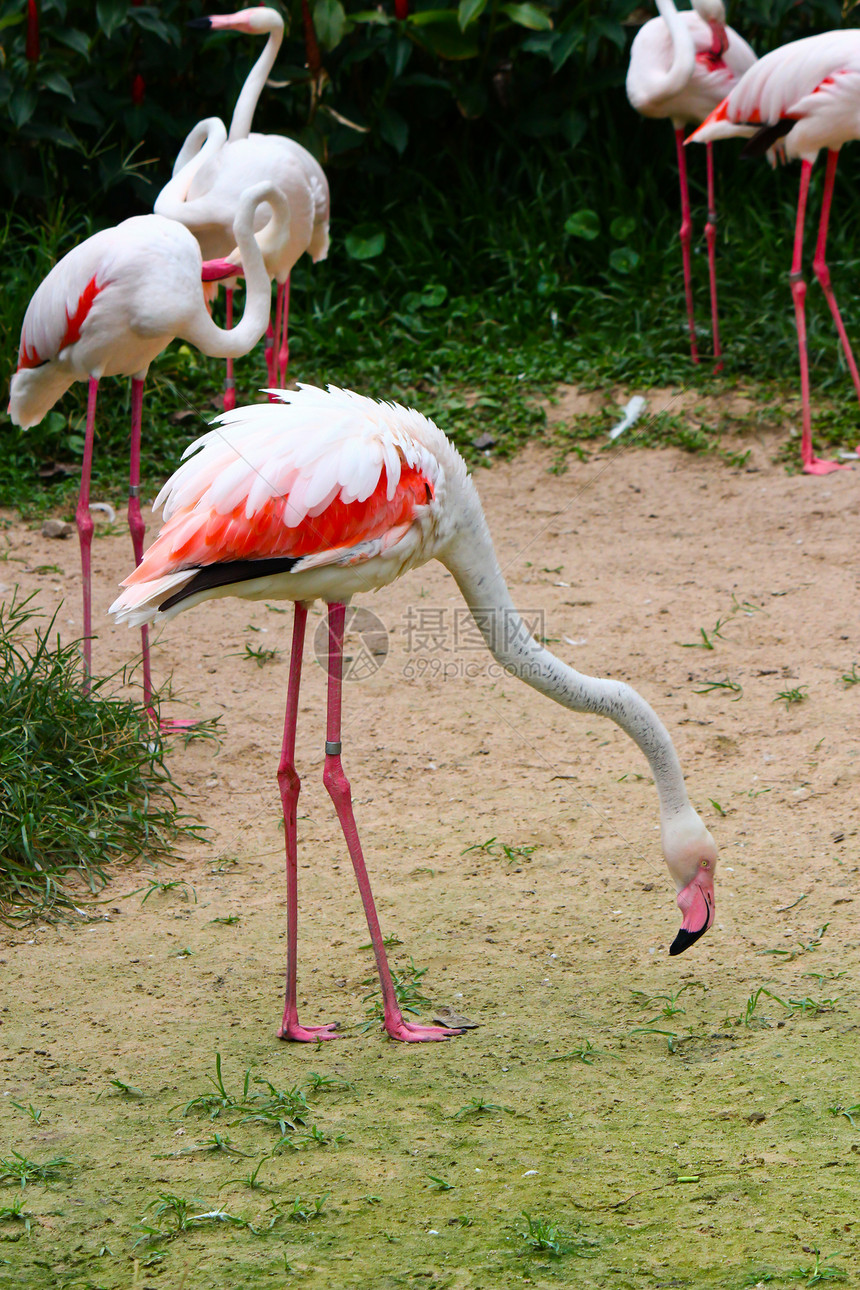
83,783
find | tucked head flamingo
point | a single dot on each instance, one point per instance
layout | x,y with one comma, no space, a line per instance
215,166
681,65
325,495
806,93
108,308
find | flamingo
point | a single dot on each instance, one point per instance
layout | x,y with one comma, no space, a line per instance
108,308
215,166
805,93
326,494
681,66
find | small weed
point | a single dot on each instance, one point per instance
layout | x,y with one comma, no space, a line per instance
229,920
212,1104
498,850
15,1213
668,1003
439,1184
708,638
480,1106
848,1111
543,1237
162,886
719,809
803,947
406,990
125,1090
852,677
34,1114
734,687
261,655
304,1211
797,695
252,1179
818,1271
217,1143
585,1053
17,1168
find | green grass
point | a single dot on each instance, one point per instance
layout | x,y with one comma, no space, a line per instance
83,780
482,302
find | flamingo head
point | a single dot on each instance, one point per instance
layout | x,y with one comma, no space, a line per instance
691,855
253,22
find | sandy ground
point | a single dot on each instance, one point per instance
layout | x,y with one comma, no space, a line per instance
712,1152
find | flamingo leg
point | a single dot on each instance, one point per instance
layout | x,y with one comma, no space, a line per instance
812,465
230,380
711,235
290,786
686,236
284,351
822,272
84,521
136,526
272,341
338,787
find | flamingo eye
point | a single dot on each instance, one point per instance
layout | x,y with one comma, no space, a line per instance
706,864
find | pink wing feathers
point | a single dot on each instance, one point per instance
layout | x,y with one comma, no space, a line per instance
819,75
309,483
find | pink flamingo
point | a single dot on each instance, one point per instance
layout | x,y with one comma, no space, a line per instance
327,494
108,308
804,93
214,168
681,66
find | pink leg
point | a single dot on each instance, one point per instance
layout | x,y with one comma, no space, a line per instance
272,340
85,530
136,526
290,785
823,273
284,351
686,233
812,465
230,381
338,787
711,235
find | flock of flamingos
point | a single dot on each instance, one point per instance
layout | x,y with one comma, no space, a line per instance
328,494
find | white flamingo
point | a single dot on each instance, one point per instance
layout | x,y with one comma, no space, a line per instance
110,307
807,94
215,166
681,66
327,494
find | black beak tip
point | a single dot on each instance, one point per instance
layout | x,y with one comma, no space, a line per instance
685,939
200,24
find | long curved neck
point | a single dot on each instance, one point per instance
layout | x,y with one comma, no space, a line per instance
207,138
201,330
683,51
471,559
243,113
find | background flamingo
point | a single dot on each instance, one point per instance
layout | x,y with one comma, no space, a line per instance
324,495
214,167
806,93
108,308
681,66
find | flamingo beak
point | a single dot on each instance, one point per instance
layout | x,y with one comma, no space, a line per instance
696,903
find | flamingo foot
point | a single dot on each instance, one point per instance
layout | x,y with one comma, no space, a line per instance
408,1032
815,466
291,1030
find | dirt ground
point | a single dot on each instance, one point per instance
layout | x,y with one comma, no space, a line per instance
666,1127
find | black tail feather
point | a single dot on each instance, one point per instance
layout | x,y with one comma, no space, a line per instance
221,575
766,137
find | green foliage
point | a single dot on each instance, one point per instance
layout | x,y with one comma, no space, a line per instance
83,782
